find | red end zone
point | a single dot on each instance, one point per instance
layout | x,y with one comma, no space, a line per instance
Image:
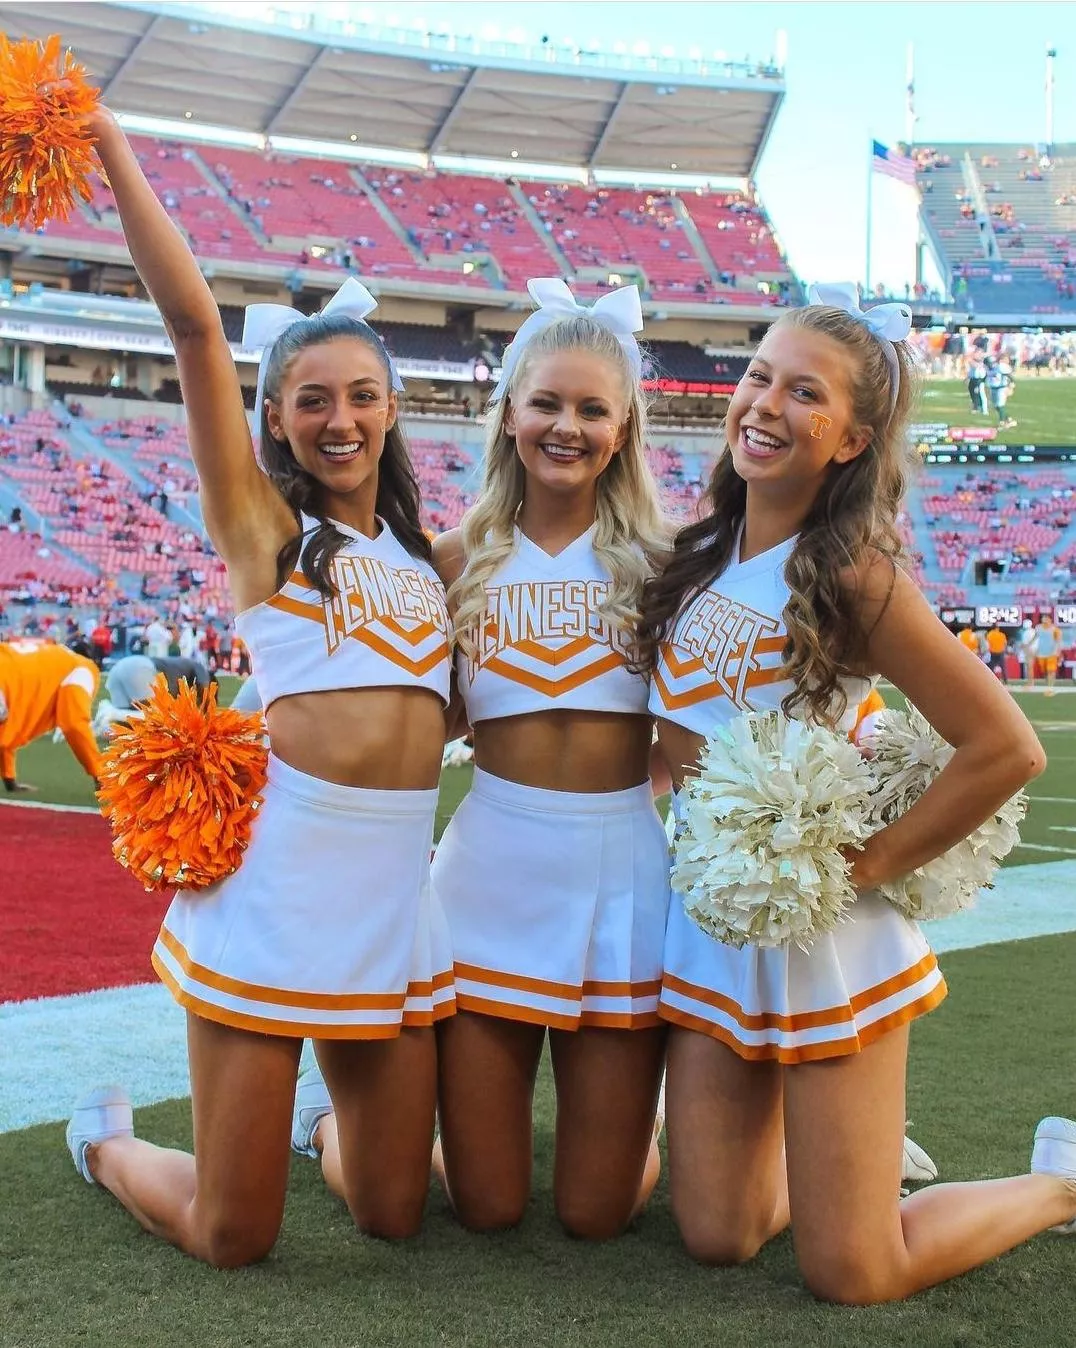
71,918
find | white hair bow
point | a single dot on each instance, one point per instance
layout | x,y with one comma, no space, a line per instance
619,311
263,324
889,322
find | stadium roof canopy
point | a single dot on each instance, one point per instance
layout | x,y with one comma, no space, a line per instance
429,94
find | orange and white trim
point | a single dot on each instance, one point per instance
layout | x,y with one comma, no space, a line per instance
556,904
283,1011
328,929
872,974
606,1004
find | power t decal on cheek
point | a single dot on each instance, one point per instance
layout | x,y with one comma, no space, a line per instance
819,425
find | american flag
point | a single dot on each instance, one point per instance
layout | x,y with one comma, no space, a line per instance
893,164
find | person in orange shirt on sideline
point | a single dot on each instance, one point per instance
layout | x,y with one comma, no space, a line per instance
42,688
970,638
997,643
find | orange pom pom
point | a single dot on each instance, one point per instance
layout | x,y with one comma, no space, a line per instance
46,152
180,786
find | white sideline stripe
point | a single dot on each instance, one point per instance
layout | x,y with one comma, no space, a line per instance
58,1048
1053,800
44,805
1045,847
55,1048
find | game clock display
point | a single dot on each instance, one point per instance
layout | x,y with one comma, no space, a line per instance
1065,615
998,615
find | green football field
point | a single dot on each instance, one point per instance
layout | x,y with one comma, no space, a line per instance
1047,835
1044,409
999,1053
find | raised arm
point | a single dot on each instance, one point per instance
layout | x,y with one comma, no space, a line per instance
239,505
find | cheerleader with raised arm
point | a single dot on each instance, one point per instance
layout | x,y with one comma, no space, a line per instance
788,595
327,929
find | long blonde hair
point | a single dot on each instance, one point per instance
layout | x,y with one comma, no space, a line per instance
631,532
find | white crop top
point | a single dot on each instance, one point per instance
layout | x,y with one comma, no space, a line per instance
386,625
724,655
542,644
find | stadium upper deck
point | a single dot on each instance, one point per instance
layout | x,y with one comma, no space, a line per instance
419,228
1003,221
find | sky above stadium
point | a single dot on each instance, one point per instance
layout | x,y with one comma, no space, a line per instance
979,75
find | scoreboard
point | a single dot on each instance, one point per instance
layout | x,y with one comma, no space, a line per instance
1001,615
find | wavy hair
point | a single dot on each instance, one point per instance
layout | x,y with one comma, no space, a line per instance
398,498
852,520
631,532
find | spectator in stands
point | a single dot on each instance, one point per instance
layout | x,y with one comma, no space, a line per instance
44,687
997,644
332,526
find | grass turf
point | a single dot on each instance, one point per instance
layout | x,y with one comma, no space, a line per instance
76,1270
59,779
1044,410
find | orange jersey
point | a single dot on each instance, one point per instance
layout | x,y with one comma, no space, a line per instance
968,637
874,702
996,641
43,688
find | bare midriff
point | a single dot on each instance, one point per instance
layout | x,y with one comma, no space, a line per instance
680,748
386,739
582,751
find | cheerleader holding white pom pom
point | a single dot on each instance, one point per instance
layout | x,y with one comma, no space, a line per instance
788,595
327,929
553,873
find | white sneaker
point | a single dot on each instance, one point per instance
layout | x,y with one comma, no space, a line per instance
102,1114
1054,1153
917,1165
312,1103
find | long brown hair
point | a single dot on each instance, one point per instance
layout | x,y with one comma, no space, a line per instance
398,497
853,517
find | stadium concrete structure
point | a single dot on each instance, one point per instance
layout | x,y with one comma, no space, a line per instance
445,173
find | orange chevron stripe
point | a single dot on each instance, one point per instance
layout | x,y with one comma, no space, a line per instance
551,657
296,607
423,666
554,687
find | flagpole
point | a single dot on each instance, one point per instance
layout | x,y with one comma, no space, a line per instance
870,214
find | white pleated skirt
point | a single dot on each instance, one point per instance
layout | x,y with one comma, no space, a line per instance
327,929
871,974
556,904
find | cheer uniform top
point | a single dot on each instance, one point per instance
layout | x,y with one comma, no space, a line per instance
328,929
556,900
543,644
873,972
386,624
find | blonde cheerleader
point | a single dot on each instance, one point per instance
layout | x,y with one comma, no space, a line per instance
788,595
553,872
327,929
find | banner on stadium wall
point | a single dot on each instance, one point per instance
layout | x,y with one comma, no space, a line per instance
157,344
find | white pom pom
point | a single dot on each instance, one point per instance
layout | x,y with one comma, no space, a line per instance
908,755
757,855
